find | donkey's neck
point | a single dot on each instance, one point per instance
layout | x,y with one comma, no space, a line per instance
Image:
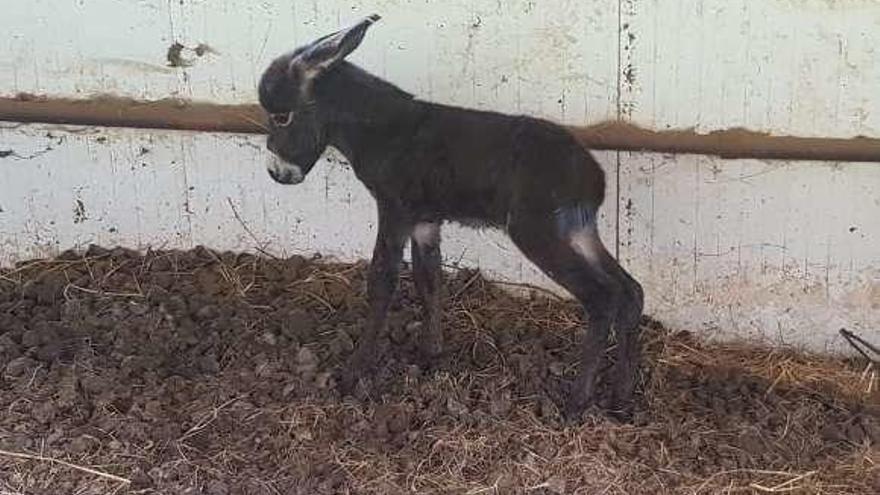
364,112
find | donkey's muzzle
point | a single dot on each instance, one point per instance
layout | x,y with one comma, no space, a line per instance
285,176
283,172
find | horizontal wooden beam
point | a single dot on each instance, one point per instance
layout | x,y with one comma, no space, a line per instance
112,111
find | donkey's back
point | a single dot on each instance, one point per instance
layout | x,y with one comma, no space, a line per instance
479,167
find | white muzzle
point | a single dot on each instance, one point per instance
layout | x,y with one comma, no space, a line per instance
284,172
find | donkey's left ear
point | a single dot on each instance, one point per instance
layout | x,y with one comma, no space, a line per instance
328,51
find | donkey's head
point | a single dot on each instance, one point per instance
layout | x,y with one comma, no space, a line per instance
297,124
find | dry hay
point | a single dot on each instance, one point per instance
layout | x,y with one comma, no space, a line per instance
203,372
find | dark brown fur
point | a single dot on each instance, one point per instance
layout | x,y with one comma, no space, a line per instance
426,163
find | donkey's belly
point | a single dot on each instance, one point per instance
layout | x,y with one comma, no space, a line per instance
476,223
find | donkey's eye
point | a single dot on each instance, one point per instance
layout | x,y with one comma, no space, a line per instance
282,119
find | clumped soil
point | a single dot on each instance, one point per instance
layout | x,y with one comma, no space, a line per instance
202,372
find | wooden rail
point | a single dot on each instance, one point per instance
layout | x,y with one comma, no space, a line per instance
111,111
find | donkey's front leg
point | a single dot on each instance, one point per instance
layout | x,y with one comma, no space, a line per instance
381,284
428,278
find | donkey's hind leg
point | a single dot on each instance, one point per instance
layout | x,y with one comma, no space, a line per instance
627,329
585,238
565,245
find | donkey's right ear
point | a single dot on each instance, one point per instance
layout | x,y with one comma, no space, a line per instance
326,52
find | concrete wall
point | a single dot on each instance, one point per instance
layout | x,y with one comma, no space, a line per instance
784,251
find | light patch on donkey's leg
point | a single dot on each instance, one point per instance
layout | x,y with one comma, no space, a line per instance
586,243
426,233
578,225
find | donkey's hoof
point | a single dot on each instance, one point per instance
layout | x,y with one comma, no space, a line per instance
349,376
430,341
573,411
621,415
621,411
431,350
572,416
355,382
346,382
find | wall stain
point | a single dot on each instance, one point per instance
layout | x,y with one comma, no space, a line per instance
12,153
629,74
175,54
629,213
626,103
79,212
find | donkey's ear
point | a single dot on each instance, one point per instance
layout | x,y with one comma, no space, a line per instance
329,50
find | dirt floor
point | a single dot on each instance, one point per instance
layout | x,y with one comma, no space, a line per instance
200,372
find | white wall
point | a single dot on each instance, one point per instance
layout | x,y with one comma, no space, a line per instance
779,250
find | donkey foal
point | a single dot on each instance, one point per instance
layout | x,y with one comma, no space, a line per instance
426,163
